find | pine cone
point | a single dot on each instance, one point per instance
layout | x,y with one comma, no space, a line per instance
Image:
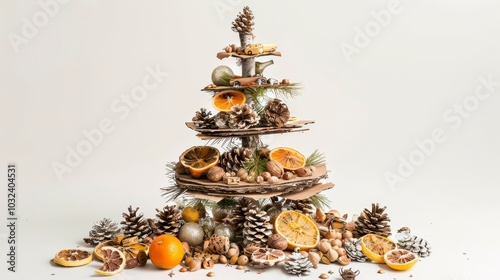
203,119
135,225
244,22
239,213
374,221
218,244
257,227
298,264
169,220
276,113
221,120
102,230
304,206
353,250
413,243
233,160
242,117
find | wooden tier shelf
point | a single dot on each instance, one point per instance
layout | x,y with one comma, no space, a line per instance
222,55
211,133
299,187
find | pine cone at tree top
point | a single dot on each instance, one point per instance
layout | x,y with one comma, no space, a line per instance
257,227
233,160
298,264
243,116
102,230
374,221
169,220
244,22
203,119
275,113
135,225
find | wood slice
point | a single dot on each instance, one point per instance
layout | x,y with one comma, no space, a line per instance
283,186
209,133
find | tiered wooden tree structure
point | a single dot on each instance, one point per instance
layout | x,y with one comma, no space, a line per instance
295,188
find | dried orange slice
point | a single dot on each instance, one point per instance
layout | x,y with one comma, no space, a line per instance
225,100
298,229
289,158
400,259
114,261
375,246
73,257
199,159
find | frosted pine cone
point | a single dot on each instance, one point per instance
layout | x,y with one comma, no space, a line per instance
298,264
242,117
102,230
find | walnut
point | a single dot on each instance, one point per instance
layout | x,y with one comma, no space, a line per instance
275,168
276,241
215,173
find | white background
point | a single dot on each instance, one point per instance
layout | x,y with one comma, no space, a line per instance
371,109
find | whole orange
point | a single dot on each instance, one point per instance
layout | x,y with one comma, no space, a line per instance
166,251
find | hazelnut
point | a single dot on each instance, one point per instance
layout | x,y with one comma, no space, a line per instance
344,260
288,175
243,260
266,175
242,173
211,274
273,180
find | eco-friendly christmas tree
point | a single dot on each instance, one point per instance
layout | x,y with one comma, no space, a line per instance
248,105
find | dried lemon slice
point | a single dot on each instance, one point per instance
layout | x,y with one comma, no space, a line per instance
375,246
73,257
400,259
267,257
114,261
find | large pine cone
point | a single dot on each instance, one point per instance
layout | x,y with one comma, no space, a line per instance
239,213
257,227
135,225
276,113
233,160
374,221
169,220
244,22
243,116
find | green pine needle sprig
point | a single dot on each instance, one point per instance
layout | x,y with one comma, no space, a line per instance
315,158
320,201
